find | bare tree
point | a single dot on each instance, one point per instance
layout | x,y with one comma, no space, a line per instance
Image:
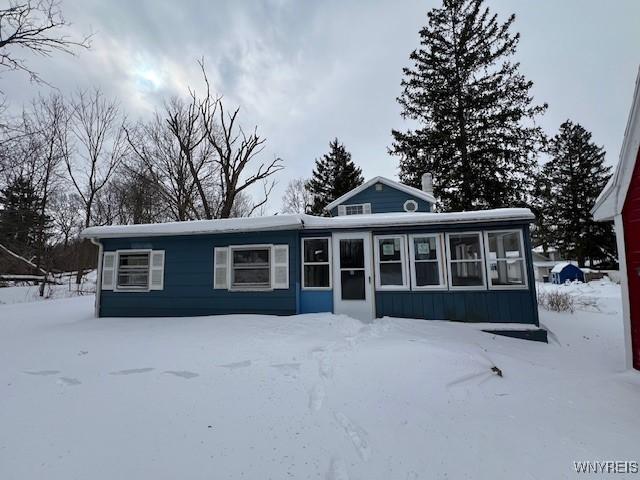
98,134
37,27
297,198
234,149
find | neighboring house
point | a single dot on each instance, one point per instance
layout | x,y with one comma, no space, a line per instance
566,272
620,202
541,266
550,253
462,266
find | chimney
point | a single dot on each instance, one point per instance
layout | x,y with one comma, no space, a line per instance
427,183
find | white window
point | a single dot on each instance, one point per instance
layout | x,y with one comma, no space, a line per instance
133,270
425,256
316,263
391,271
355,209
505,259
251,268
410,206
465,261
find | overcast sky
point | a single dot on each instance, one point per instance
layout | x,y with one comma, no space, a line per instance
305,72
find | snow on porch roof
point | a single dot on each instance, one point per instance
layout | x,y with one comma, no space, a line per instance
305,222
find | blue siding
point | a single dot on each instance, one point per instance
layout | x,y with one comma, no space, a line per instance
568,273
387,200
188,279
314,301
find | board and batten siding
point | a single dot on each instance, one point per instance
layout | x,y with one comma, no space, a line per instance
387,200
500,306
188,279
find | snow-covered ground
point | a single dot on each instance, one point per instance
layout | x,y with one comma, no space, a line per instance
311,396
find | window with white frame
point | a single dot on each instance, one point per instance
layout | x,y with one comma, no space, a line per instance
391,269
133,271
505,259
316,263
251,267
354,209
465,260
426,261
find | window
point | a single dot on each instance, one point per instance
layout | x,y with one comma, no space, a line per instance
251,267
426,262
355,209
465,260
316,263
410,206
133,271
390,262
505,259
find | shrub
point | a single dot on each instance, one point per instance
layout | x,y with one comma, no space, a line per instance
556,301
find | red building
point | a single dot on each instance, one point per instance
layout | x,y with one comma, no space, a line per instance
620,202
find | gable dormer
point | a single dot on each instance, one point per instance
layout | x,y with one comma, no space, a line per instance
381,195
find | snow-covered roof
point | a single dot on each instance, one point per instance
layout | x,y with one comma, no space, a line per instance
611,200
540,249
560,266
391,183
306,222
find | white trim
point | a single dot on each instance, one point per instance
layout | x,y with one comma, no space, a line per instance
412,202
482,261
624,285
131,251
403,263
427,197
329,262
96,304
262,246
440,261
523,259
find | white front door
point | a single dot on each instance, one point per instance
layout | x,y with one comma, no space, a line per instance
353,284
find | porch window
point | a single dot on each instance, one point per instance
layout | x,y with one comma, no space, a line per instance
505,259
426,262
133,271
316,263
465,260
251,267
390,257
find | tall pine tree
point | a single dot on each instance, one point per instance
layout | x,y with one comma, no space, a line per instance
473,108
334,175
577,174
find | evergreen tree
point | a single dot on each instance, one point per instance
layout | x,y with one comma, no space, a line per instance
21,226
577,175
334,175
473,108
542,231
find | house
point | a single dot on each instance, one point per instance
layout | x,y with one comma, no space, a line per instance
620,201
396,261
542,266
566,272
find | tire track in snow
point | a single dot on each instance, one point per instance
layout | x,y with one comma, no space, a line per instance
357,435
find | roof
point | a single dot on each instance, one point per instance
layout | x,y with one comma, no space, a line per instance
540,249
397,185
561,266
306,222
611,200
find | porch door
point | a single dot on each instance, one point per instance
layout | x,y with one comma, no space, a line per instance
353,286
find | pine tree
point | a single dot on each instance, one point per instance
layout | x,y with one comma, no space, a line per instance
577,175
473,108
334,175
21,227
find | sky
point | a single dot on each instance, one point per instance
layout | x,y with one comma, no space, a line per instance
305,72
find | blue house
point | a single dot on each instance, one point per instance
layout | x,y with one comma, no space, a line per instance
566,272
384,252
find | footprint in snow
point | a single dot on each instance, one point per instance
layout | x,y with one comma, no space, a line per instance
182,373
131,371
325,368
68,381
316,397
43,372
337,470
356,434
288,369
236,365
